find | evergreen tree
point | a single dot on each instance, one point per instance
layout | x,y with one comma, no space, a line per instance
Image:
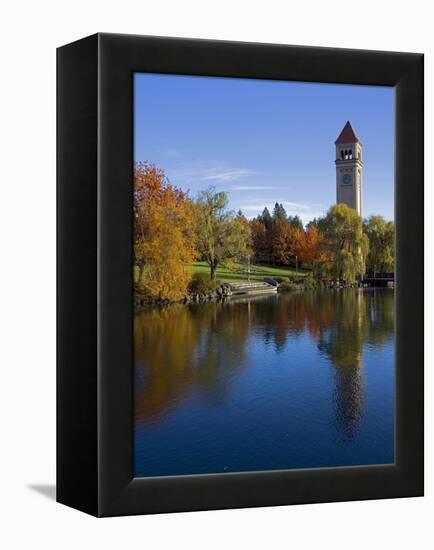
266,218
313,223
279,213
295,222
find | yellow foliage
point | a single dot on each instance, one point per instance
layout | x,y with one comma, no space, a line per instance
164,236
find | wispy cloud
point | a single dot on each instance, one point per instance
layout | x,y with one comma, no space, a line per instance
306,211
196,174
259,205
253,188
218,172
227,175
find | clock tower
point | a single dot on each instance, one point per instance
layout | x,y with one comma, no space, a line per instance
349,169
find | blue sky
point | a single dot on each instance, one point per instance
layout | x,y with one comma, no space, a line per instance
264,141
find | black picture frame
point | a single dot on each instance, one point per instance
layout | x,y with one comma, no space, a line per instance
95,287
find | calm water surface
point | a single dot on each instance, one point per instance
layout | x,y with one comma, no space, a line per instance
286,381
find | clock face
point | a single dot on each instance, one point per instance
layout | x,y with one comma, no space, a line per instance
346,179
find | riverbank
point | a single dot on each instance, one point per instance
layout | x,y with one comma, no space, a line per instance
240,279
234,290
201,289
200,293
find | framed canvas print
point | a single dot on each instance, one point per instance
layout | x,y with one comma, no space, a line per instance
240,275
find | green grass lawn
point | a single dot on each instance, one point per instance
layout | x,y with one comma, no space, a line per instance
238,272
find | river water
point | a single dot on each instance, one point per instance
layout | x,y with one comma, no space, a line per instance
295,380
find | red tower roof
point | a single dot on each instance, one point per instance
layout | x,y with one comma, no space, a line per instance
348,135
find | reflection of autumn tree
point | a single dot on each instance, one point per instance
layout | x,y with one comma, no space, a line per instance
222,347
343,340
180,348
319,311
277,318
359,317
165,340
343,343
381,317
341,322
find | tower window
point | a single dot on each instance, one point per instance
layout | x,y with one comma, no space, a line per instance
350,154
342,154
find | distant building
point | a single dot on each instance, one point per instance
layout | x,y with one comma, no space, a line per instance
349,169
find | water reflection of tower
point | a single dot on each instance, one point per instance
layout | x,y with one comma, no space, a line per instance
349,398
342,342
348,392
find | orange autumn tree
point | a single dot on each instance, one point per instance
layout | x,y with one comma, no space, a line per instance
285,241
164,234
281,242
310,245
261,240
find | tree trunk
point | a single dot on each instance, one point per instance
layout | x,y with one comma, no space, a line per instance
141,269
213,272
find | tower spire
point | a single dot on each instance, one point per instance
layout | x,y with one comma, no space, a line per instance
349,169
348,135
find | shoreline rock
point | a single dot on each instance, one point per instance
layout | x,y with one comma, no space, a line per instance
223,292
